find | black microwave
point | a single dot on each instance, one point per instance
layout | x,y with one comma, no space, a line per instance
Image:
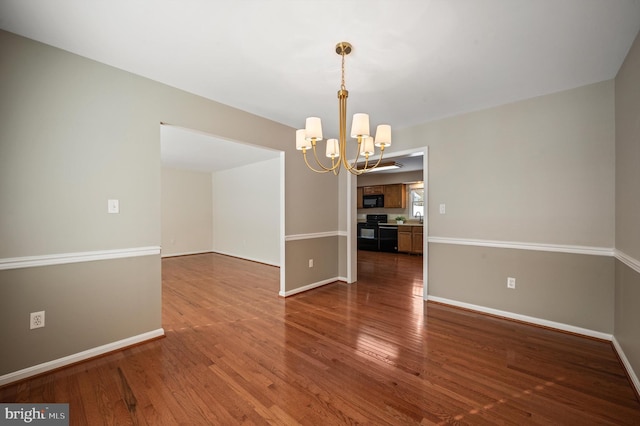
371,201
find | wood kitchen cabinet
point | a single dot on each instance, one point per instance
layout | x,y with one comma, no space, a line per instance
372,190
410,239
404,239
416,239
395,196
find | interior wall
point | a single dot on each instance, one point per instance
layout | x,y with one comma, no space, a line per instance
76,133
186,212
539,170
312,214
246,212
389,178
565,288
535,173
323,251
627,92
87,305
627,314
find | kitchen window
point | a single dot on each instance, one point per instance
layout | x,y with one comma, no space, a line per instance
416,197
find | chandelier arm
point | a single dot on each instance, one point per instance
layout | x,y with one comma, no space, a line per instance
322,166
353,167
304,155
354,170
377,162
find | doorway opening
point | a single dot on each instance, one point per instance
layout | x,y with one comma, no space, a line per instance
221,196
416,208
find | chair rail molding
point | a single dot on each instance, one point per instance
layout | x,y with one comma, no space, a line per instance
85,256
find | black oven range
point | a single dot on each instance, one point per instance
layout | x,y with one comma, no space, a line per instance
376,235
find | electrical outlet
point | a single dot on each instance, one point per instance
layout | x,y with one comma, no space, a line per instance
310,263
443,209
511,282
36,320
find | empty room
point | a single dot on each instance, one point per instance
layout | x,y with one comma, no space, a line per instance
320,212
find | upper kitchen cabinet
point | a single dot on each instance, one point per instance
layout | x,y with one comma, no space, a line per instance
395,196
373,190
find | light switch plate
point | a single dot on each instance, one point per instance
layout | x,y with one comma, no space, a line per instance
442,209
113,206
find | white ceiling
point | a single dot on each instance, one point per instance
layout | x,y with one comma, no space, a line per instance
187,149
413,60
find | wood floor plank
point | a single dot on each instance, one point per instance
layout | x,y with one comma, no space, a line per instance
372,352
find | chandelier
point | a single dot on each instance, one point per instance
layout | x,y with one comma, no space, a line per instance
336,150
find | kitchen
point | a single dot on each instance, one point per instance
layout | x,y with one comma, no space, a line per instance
391,206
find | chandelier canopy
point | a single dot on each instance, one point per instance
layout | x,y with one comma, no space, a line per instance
336,150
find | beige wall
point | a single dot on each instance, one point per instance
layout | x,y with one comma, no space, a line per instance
87,304
627,314
186,212
389,178
324,252
628,154
347,243
75,133
234,212
570,289
246,212
540,170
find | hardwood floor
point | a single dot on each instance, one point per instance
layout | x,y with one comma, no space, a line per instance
367,353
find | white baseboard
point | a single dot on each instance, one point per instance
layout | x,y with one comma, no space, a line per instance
251,259
308,287
525,318
80,356
627,365
185,253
